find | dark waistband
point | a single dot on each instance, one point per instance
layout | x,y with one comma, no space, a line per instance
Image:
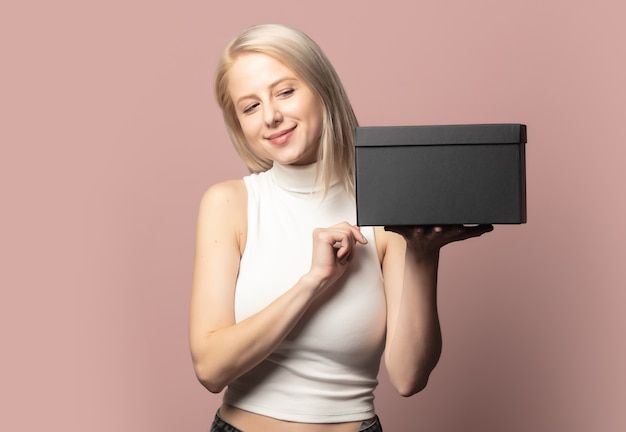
220,425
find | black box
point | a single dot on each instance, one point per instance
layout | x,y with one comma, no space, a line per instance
440,175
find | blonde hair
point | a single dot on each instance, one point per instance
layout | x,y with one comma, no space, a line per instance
301,54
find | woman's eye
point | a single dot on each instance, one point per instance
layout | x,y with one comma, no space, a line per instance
248,109
286,92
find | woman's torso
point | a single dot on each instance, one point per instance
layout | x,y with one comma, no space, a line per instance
294,217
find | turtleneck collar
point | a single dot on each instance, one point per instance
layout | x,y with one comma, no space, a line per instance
300,178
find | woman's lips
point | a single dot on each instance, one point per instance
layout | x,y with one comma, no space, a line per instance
281,137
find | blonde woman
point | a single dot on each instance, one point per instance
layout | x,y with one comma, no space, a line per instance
293,305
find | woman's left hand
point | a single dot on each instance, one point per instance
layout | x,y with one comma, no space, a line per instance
427,239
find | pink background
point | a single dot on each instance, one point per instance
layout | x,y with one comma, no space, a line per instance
110,134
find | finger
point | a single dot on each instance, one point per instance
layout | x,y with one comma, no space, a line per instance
345,255
409,231
398,229
361,238
450,232
344,243
355,231
479,229
469,231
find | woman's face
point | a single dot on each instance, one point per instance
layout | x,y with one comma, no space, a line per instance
280,116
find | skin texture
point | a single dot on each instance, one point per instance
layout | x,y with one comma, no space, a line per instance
281,120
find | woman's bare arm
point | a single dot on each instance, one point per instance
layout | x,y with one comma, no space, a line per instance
221,349
410,266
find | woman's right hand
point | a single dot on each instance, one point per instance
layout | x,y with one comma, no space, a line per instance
333,249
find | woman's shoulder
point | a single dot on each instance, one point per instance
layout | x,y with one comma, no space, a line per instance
226,196
228,187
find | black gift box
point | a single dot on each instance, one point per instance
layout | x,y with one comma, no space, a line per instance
440,175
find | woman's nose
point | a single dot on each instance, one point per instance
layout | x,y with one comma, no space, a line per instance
272,114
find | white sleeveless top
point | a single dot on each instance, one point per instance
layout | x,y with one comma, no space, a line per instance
326,370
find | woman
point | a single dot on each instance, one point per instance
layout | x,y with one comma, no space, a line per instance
293,305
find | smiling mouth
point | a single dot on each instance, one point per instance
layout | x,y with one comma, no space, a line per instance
281,134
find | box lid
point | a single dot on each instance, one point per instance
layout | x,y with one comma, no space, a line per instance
502,133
